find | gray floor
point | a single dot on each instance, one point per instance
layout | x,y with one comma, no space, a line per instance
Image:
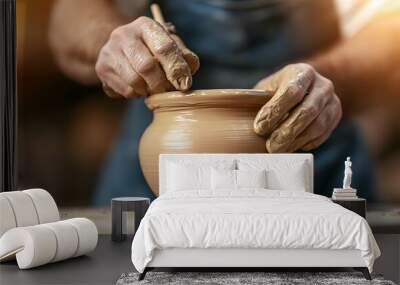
103,266
106,264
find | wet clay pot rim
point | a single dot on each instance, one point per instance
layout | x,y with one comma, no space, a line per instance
209,98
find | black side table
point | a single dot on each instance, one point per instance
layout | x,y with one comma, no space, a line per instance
120,208
357,205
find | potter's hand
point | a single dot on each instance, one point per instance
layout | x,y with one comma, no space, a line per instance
303,111
143,58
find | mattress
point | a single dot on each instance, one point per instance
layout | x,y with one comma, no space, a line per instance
251,219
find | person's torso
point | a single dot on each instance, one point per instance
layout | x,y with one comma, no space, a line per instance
240,42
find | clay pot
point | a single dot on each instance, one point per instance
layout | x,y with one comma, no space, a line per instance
200,121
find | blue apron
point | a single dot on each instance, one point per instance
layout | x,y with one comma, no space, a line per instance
240,42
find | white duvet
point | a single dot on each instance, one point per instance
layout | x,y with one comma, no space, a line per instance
250,219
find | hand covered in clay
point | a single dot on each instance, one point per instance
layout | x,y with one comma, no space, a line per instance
143,58
303,111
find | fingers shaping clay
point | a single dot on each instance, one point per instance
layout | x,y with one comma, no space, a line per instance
190,57
200,121
40,244
45,205
170,57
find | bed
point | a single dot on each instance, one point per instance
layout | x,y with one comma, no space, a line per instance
245,211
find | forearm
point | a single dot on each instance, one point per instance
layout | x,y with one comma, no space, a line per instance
78,30
366,68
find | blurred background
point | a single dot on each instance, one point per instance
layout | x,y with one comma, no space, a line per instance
65,130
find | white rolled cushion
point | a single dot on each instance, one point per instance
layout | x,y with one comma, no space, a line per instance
251,178
67,239
23,208
33,245
45,205
87,235
223,179
40,244
7,218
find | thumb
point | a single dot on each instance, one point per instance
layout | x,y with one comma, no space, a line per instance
271,82
263,84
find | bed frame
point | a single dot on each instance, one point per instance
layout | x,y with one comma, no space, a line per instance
246,259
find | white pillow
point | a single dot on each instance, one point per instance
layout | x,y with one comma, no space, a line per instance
193,175
181,178
223,179
292,179
281,175
251,178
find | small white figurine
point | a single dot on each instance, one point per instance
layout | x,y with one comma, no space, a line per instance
347,174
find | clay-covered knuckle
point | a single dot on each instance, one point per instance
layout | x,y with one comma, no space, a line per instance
180,76
126,91
337,110
112,89
190,57
304,75
339,114
137,84
274,147
118,35
294,146
130,77
176,68
142,22
316,142
259,128
311,146
284,136
333,112
158,86
145,65
305,67
111,93
290,68
192,60
103,60
262,122
338,104
307,113
113,86
319,126
289,130
263,84
292,93
165,48
327,87
100,69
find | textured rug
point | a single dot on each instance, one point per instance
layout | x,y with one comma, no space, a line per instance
243,278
